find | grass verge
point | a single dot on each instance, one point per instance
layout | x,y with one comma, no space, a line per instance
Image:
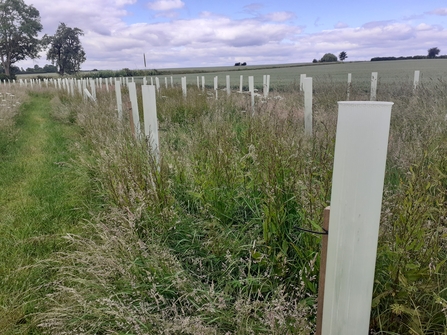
41,196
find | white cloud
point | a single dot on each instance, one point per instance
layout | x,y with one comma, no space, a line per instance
341,25
280,16
99,16
423,26
164,5
439,11
371,40
210,39
253,7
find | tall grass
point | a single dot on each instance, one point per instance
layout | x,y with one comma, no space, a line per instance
208,240
42,196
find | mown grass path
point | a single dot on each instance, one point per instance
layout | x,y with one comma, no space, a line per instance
41,197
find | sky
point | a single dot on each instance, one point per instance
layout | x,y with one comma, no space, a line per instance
201,33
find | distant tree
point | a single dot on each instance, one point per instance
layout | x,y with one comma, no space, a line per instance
38,69
433,52
65,49
48,68
343,55
328,58
19,26
314,61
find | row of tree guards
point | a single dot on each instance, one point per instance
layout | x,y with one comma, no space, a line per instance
68,83
347,266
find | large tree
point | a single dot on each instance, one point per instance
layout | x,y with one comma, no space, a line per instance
433,52
19,26
328,58
343,55
65,49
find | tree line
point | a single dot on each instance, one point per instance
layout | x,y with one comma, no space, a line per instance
19,28
14,70
330,57
432,53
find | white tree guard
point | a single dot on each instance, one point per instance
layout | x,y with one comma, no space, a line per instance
88,95
79,82
71,87
119,101
357,185
216,85
150,118
134,104
93,88
251,87
349,86
416,79
374,76
228,85
264,83
308,99
84,84
266,86
184,86
241,81
157,84
302,77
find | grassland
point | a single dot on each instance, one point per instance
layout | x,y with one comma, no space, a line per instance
283,75
41,196
206,241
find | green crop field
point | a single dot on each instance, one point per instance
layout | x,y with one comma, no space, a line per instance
285,74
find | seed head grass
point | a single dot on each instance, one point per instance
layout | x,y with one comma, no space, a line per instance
206,239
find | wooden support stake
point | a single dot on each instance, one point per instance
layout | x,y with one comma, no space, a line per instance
323,257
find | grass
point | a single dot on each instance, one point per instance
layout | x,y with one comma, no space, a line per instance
206,241
389,72
283,75
41,196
